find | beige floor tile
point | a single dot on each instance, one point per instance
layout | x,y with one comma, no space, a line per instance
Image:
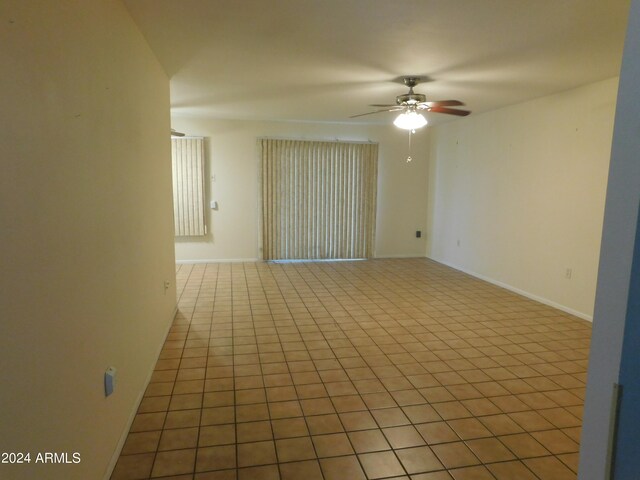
368,441
549,468
219,399
418,460
421,413
247,413
342,467
478,472
560,417
556,441
469,428
307,470
314,390
154,404
454,455
253,431
317,406
279,394
289,427
174,462
442,475
144,422
348,403
332,445
215,415
452,410
403,437
390,417
295,449
353,421
490,450
256,453
480,407
210,436
437,432
287,409
510,471
380,400
142,442
380,367
380,465
187,401
319,424
179,438
523,445
266,472
216,458
570,460
133,467
436,394
530,421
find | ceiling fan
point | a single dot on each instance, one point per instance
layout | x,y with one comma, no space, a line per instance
411,104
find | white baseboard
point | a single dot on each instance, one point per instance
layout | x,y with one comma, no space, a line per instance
216,260
237,260
317,260
410,255
524,293
132,416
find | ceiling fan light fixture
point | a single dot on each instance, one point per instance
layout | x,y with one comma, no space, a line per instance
410,120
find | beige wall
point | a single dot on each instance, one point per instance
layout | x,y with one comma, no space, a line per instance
233,159
87,235
517,194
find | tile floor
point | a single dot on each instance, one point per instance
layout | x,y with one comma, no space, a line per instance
375,369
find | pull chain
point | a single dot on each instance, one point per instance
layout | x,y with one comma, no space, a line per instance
411,132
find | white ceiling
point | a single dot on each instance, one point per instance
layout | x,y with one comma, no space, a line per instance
322,61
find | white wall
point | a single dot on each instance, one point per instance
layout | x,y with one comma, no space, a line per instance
517,194
618,239
233,159
87,234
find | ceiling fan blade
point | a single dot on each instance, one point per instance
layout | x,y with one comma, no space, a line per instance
444,103
378,111
383,105
450,111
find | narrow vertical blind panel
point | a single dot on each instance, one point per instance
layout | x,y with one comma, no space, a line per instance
318,199
187,156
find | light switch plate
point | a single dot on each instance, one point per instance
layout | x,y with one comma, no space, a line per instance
109,381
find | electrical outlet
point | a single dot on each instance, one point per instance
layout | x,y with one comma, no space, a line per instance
418,233
567,273
167,284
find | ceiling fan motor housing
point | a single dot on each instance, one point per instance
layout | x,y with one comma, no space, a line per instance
410,98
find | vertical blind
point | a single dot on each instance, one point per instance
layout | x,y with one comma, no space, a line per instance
318,199
187,155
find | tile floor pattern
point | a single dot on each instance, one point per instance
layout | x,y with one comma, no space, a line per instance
375,369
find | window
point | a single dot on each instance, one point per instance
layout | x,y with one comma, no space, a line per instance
187,156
